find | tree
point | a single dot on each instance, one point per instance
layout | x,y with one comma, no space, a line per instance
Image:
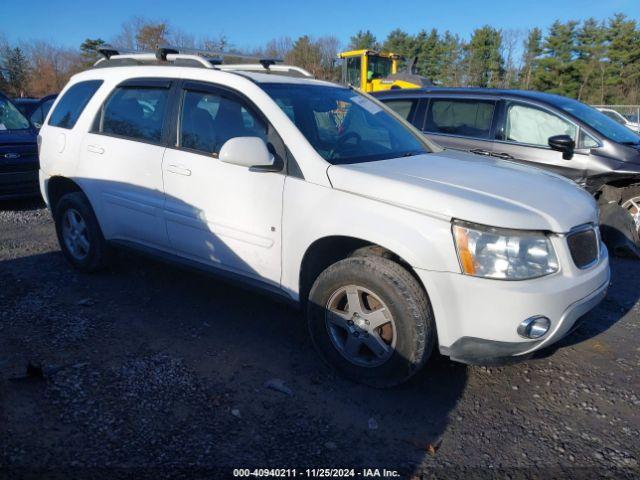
532,50
89,51
141,34
485,65
451,74
17,71
510,40
306,54
589,64
555,72
427,50
623,72
152,35
364,39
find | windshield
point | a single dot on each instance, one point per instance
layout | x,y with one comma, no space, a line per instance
344,126
598,121
10,117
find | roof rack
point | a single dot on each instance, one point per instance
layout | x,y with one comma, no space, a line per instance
114,56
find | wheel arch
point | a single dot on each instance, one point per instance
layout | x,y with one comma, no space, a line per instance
328,250
57,187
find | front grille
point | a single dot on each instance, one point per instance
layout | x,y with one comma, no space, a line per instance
584,247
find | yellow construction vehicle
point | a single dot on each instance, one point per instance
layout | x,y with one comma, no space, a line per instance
373,71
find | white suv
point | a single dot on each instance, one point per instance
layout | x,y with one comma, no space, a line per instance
321,195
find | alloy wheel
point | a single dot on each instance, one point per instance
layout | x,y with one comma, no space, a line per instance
75,234
360,326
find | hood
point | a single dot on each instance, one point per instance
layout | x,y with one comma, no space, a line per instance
482,190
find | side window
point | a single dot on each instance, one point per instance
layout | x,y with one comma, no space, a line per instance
353,71
405,108
208,120
46,106
467,118
586,140
533,126
37,117
135,112
72,103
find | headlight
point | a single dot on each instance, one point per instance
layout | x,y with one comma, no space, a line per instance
503,254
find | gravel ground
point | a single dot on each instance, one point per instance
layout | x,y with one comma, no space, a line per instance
149,369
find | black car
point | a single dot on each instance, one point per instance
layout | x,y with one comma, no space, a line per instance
35,109
18,153
540,129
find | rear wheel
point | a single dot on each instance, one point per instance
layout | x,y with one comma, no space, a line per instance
79,234
371,320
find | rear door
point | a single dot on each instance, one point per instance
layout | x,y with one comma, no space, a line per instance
122,161
461,123
523,136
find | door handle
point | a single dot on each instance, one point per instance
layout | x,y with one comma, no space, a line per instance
503,156
479,151
95,149
179,170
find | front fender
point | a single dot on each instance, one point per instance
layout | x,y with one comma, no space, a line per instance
312,212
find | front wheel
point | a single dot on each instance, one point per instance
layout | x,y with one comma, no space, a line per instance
631,203
371,320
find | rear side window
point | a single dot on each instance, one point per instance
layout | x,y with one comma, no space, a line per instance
404,108
467,118
134,112
72,104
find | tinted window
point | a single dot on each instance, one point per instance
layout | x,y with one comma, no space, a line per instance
135,112
404,108
530,125
72,103
208,120
10,117
344,126
468,118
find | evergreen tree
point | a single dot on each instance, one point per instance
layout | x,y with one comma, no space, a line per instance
451,73
485,65
623,73
589,64
364,39
555,72
532,50
17,71
89,51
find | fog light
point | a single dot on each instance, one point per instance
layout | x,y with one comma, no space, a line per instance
534,327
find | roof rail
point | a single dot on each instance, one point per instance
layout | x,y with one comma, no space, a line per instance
193,57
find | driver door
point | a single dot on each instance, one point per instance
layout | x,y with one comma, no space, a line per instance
224,215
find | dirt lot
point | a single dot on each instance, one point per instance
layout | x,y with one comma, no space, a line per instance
148,368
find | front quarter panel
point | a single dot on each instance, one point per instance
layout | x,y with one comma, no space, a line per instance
312,212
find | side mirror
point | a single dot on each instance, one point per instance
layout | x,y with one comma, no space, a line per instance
564,144
248,152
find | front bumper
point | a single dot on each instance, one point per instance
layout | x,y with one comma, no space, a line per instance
477,318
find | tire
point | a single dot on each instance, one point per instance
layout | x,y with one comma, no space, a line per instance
93,251
631,203
382,283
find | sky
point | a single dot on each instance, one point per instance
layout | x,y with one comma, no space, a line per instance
251,23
